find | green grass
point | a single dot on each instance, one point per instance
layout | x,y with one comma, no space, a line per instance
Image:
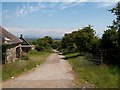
16,68
71,55
101,76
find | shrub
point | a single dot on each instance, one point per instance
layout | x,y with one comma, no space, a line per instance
88,56
33,51
24,57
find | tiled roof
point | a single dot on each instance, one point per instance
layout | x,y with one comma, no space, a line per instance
8,38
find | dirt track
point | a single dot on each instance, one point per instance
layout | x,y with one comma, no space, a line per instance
54,73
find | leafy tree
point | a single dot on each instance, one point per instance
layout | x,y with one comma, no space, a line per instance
111,38
85,39
116,11
67,43
43,43
48,39
116,22
110,44
56,44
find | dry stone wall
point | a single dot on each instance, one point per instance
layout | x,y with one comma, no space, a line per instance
11,53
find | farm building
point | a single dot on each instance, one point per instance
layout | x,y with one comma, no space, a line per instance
11,46
26,47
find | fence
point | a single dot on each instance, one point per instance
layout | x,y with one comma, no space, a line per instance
106,56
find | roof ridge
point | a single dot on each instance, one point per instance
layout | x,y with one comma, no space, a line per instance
6,34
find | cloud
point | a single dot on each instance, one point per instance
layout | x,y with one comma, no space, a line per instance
52,7
27,8
65,5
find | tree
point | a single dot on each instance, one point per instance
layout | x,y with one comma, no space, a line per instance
116,11
67,42
48,39
116,22
43,43
110,45
85,39
111,39
56,44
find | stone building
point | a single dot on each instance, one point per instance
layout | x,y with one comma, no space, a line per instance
11,46
26,47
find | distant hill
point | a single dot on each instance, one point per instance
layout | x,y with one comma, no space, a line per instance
30,39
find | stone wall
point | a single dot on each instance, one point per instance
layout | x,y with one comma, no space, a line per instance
11,53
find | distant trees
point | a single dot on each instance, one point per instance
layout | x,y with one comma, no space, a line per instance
56,44
43,43
46,43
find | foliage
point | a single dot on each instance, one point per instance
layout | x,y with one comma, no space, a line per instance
116,22
24,57
88,56
43,43
67,43
48,39
56,44
111,39
116,11
83,40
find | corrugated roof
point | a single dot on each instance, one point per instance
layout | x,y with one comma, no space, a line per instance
8,38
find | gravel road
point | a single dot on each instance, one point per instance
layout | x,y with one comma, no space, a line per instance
54,73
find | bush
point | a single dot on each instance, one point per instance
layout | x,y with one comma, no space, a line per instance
24,57
33,51
88,56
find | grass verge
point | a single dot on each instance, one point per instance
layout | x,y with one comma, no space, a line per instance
91,75
14,69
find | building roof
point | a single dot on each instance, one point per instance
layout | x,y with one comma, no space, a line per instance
24,42
7,37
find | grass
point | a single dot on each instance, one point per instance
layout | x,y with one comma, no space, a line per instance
71,55
16,68
100,76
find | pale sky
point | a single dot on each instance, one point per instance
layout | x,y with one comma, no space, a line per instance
38,19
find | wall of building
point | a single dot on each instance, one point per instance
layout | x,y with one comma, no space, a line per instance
11,53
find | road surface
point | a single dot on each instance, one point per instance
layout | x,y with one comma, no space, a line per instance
54,73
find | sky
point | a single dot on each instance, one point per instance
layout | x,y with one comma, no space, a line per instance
39,19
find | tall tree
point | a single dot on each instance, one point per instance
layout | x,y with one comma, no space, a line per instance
85,39
116,22
111,38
